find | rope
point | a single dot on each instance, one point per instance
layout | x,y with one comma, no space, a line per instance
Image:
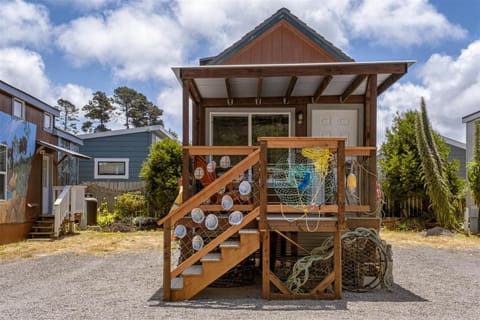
300,272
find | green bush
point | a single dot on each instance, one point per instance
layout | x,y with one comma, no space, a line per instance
130,204
161,172
105,217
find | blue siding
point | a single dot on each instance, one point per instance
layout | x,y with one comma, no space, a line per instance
134,146
460,155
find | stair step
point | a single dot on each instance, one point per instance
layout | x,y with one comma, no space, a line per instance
176,283
41,233
230,244
42,227
40,239
249,231
211,257
195,270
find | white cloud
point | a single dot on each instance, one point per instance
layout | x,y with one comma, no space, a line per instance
137,44
84,4
23,23
74,93
170,101
25,70
401,23
451,87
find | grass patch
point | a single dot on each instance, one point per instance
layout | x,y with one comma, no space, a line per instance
412,238
85,242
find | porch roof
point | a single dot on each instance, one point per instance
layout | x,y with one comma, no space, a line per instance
288,83
44,144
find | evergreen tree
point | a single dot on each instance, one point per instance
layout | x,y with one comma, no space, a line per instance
68,115
138,111
99,108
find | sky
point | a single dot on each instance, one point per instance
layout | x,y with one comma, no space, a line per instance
71,48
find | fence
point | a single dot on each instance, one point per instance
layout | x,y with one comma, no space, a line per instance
410,207
108,190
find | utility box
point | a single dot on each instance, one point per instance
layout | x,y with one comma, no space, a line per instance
91,205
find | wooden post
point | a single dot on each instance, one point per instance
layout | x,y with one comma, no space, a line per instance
372,141
166,260
337,242
265,233
185,141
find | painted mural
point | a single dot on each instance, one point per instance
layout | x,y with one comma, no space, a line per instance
19,138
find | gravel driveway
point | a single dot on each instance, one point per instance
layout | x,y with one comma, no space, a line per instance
430,284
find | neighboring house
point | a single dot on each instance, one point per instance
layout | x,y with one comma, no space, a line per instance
457,152
280,86
118,155
472,209
34,156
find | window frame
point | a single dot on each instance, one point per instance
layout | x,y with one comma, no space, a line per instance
22,110
50,127
4,173
249,114
104,176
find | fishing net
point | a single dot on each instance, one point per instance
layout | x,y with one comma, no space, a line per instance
304,177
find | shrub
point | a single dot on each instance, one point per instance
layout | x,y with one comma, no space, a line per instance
130,204
161,172
105,217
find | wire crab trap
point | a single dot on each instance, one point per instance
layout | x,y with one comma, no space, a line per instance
305,178
366,264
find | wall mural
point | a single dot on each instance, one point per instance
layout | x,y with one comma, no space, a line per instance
19,137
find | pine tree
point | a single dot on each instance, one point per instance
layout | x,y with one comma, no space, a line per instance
68,115
100,108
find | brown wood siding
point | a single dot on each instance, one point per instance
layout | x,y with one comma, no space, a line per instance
14,232
35,116
281,44
34,192
5,103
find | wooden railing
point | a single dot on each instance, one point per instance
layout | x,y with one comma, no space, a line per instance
69,200
255,160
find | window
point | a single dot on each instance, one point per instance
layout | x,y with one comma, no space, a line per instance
3,172
111,168
18,109
47,122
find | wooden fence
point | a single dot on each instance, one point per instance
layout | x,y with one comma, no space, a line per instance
108,190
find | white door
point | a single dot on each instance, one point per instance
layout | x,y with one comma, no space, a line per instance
46,185
336,123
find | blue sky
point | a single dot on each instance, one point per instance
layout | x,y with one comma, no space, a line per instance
71,48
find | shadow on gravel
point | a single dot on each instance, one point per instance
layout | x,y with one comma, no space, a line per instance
249,298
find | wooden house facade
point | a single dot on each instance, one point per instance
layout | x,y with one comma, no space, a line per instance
281,121
32,151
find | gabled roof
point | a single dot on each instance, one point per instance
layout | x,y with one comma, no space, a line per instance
282,14
157,129
37,103
471,117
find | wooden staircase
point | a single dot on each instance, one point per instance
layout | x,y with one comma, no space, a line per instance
213,265
43,229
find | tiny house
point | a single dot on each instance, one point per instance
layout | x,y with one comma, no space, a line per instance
282,155
472,214
34,158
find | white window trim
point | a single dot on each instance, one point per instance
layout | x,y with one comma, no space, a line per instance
127,168
248,113
4,187
49,128
22,116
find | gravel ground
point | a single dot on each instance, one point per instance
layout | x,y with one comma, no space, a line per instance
429,284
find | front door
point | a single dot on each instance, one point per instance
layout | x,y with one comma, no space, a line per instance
336,123
47,192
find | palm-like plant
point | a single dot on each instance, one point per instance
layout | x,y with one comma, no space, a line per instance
435,179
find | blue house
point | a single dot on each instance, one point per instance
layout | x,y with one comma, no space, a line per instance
118,155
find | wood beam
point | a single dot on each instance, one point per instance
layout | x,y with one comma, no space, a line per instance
321,88
258,71
276,101
291,86
388,82
193,90
352,87
185,115
229,89
259,90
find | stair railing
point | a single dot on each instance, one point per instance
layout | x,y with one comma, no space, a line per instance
61,209
197,200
